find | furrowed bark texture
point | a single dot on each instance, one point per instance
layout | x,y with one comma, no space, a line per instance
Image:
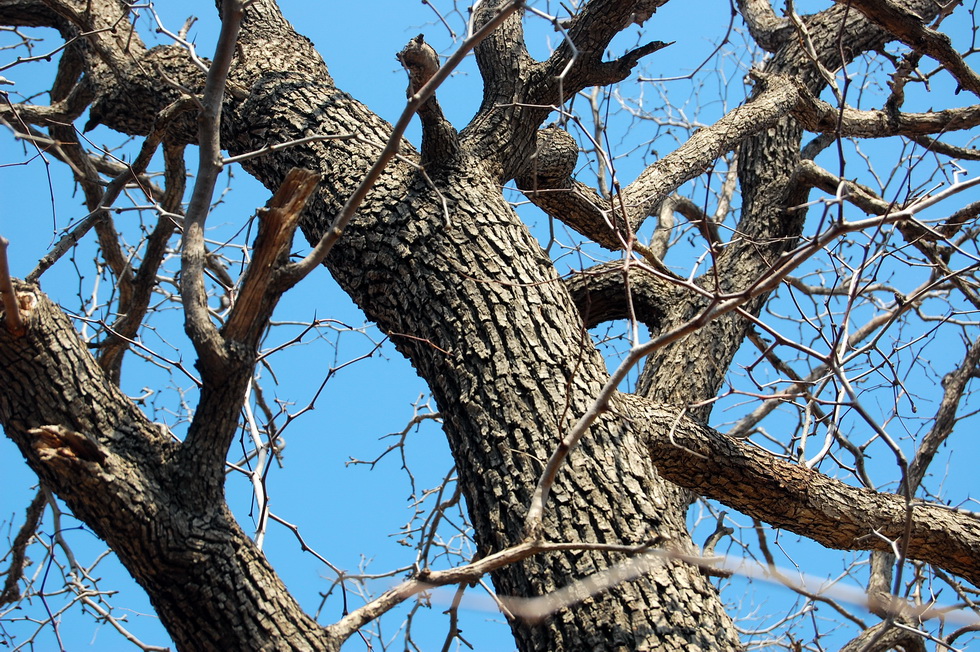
769,225
474,303
491,310
444,266
472,300
212,588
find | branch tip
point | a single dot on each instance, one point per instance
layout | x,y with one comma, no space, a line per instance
420,60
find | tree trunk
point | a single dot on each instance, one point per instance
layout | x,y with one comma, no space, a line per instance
444,266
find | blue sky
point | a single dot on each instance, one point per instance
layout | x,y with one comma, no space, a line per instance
350,514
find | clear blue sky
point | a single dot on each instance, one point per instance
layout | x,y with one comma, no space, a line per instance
349,514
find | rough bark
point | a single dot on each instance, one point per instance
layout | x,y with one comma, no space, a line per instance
212,588
446,268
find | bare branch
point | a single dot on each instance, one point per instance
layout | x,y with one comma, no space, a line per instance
259,290
11,592
909,27
802,500
440,143
197,319
768,30
816,115
954,384
780,95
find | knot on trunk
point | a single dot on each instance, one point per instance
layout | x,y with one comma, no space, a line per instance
553,160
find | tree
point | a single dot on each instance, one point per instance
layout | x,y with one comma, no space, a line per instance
569,481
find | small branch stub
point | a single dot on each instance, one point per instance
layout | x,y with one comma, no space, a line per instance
440,142
13,304
277,223
420,60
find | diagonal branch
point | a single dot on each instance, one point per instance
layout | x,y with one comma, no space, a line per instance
11,307
578,60
819,116
908,26
779,96
259,291
580,207
18,551
801,500
954,384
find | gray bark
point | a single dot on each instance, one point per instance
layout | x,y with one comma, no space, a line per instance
471,299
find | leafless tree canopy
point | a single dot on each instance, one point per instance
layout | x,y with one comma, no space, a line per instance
779,268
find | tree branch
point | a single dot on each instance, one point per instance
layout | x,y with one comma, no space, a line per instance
11,302
779,96
819,116
600,293
768,30
144,281
801,500
577,62
502,56
197,317
18,551
909,28
954,384
440,143
259,291
580,207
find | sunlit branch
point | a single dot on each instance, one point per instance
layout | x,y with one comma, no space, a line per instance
717,306
11,307
803,500
909,27
768,30
698,152
954,384
819,116
197,319
18,550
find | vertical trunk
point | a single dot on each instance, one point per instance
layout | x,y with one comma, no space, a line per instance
477,307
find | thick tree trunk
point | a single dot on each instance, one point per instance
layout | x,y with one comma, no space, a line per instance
477,308
472,300
445,267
